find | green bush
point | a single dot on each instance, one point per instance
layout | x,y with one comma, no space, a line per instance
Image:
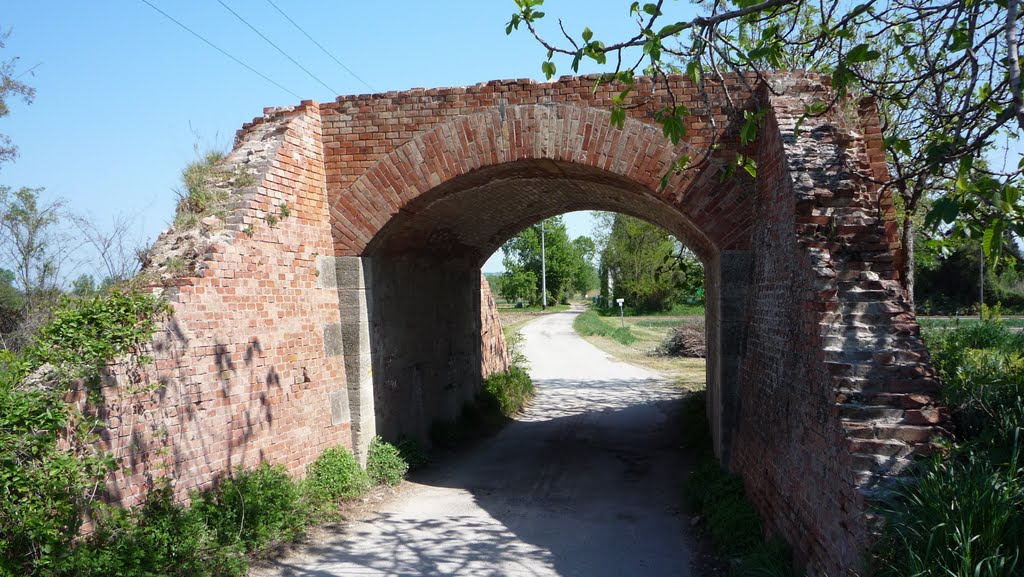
336,475
48,488
509,390
158,538
412,452
384,463
254,508
590,323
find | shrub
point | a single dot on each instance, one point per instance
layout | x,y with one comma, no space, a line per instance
384,463
412,452
158,538
336,475
510,390
48,486
254,508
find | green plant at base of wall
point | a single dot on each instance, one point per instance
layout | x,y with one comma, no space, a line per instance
336,475
384,463
719,497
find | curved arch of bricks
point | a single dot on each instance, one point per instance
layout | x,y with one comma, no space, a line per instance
361,312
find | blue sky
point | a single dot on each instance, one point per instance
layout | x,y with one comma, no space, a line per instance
124,95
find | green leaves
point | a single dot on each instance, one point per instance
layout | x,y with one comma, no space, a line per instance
861,53
548,68
672,122
751,122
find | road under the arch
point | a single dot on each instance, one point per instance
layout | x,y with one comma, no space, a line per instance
585,483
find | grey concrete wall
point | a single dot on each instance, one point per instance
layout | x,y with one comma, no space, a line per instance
727,281
424,333
352,341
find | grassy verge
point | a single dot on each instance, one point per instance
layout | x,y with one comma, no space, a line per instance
688,373
730,519
959,322
677,310
590,324
961,513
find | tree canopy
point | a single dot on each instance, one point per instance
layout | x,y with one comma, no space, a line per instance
646,266
945,77
569,264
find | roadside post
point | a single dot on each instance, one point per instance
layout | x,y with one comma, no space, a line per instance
622,315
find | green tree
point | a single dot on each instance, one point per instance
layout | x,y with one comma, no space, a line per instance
10,87
518,285
945,76
647,267
566,262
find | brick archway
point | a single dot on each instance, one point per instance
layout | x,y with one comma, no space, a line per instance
357,309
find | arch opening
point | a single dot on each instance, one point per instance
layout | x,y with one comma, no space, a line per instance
423,270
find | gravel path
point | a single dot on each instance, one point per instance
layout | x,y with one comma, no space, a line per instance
585,483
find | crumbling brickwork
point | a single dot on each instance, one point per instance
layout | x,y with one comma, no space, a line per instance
358,313
494,353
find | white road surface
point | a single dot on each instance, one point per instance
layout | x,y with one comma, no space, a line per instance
585,483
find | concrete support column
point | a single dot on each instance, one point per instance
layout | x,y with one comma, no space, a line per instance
354,294
728,276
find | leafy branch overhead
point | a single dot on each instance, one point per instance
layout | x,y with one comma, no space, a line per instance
945,77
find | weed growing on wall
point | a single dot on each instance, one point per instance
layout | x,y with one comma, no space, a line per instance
384,463
207,189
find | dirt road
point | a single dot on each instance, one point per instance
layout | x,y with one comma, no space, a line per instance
586,483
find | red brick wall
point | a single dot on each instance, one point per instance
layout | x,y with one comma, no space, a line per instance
241,370
494,356
831,398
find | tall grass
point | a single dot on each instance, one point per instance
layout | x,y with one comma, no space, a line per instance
961,513
590,323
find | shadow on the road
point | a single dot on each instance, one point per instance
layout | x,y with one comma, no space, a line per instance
586,483
448,545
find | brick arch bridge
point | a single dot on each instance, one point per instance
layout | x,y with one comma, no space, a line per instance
358,309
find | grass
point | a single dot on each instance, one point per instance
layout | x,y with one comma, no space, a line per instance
590,324
956,322
677,310
961,512
688,373
728,515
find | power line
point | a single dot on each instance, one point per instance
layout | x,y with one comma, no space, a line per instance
325,51
295,62
219,49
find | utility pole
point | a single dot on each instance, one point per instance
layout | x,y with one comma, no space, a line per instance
981,286
543,272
